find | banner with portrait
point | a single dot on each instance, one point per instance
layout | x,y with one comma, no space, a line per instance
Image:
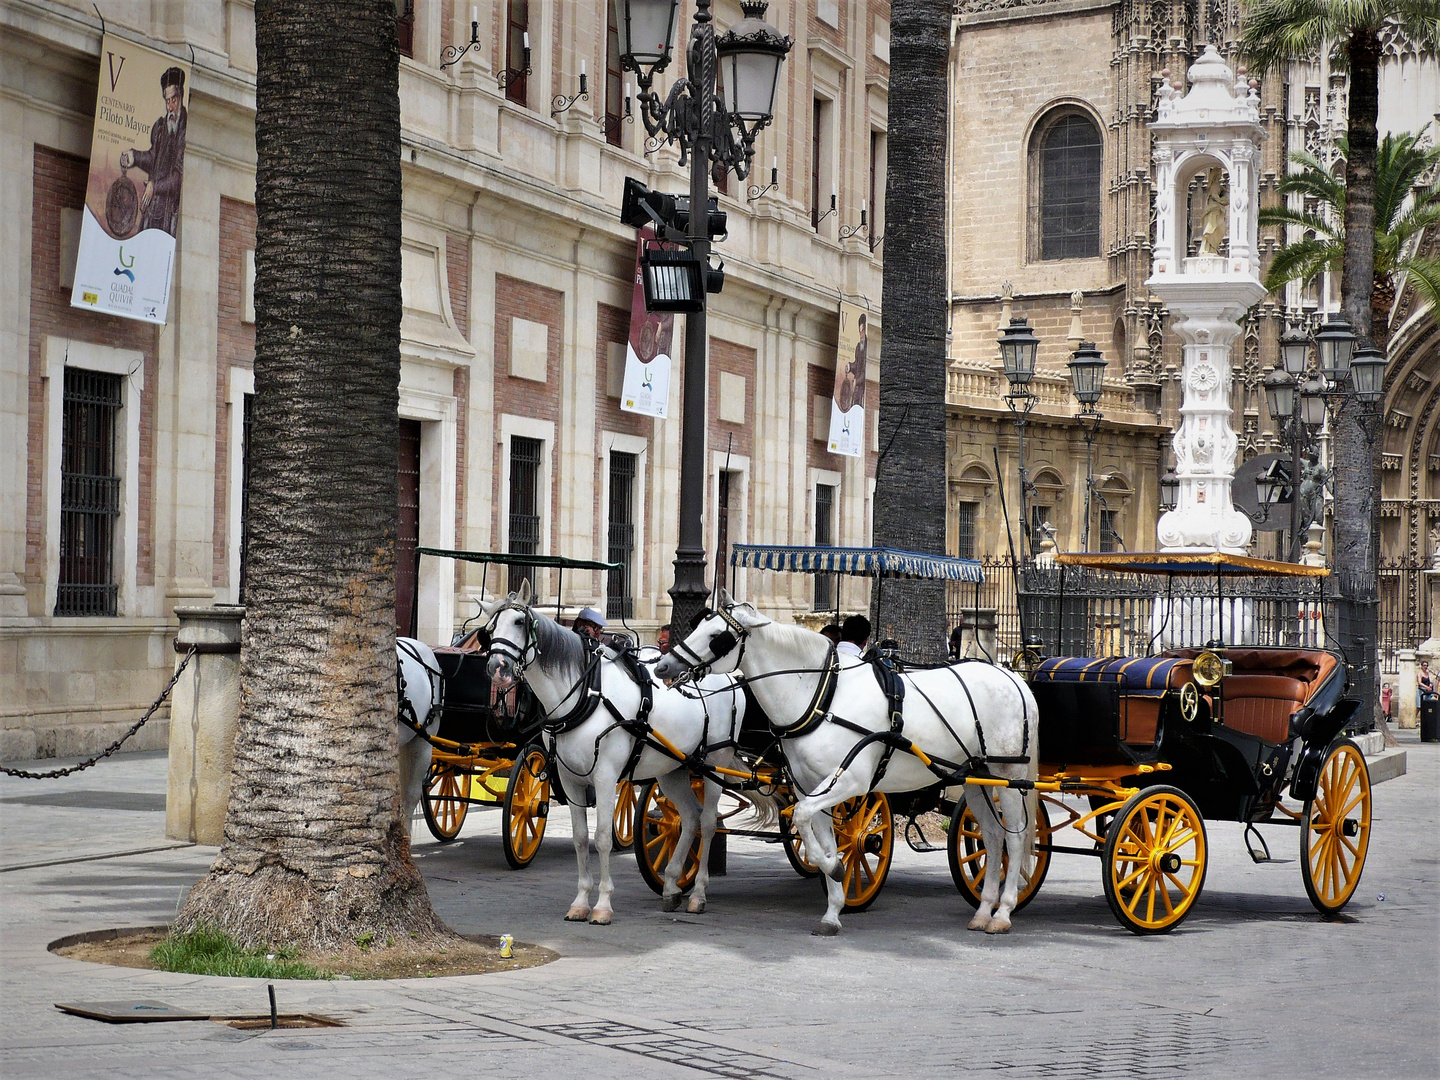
847,405
646,389
132,200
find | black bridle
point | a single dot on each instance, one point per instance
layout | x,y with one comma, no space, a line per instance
721,644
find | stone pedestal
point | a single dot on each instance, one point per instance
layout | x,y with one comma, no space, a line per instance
1404,705
204,711
978,638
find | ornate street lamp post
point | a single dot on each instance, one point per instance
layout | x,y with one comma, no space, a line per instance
1018,345
1087,383
711,132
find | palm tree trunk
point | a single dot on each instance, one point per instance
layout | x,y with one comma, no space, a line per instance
314,852
1357,504
910,477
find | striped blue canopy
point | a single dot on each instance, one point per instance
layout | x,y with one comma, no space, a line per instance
859,561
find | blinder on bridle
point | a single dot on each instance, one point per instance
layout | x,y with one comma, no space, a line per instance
721,644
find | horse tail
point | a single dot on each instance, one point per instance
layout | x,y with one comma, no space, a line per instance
766,807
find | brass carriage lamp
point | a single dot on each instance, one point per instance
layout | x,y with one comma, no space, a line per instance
750,54
1018,345
645,29
1294,351
1169,490
1280,395
1312,402
1087,375
1336,344
1367,374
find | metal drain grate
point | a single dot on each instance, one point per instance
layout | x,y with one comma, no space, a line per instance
676,1049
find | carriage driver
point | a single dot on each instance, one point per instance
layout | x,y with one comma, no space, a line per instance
854,634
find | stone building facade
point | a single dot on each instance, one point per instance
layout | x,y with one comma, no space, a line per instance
517,278
1072,83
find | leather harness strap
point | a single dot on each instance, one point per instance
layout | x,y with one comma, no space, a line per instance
819,707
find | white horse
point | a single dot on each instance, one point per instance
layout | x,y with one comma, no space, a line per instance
956,713
592,749
420,686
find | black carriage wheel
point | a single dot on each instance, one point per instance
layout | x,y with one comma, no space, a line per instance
1335,828
446,800
526,807
657,830
965,849
1154,861
795,849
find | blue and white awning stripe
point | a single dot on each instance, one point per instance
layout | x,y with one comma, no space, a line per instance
857,561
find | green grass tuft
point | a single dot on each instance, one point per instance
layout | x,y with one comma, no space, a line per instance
207,951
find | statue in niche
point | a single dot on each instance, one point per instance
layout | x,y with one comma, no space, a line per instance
1217,210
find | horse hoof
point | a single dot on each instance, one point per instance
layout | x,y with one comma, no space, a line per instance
696,906
672,903
979,923
601,918
826,929
578,913
998,927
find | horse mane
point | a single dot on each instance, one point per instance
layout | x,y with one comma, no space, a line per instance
796,637
557,647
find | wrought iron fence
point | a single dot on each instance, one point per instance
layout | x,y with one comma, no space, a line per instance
1404,611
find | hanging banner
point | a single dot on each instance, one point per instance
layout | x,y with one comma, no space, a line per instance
646,389
132,201
847,406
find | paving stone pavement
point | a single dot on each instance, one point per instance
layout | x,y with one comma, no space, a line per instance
1254,983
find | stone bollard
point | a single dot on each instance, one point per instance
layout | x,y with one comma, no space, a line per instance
977,635
1404,703
204,711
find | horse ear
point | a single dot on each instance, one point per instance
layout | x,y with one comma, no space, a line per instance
524,595
726,600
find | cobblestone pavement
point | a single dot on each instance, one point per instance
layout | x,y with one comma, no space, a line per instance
1254,983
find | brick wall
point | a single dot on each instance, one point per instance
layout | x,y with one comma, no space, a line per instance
234,347
60,184
526,397
736,360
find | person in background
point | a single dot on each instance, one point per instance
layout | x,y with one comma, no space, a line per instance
831,631
854,633
956,643
1427,681
589,623
662,640
1387,693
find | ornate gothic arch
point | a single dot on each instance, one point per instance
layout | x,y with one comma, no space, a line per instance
1409,441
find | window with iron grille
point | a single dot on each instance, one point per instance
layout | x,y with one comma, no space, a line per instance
965,514
517,25
824,537
405,26
407,522
1066,183
525,458
89,493
618,601
1109,531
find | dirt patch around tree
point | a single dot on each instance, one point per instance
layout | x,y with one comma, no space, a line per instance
403,959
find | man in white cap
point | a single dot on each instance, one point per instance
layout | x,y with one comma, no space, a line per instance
589,623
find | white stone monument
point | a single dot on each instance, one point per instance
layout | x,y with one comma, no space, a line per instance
1212,130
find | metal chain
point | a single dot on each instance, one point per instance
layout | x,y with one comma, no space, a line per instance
117,743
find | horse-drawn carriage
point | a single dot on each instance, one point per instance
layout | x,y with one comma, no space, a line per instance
1151,747
485,753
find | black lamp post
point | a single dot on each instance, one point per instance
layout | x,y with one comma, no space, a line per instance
1087,383
1169,490
711,132
1018,345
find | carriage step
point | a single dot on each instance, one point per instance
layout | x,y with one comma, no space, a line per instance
915,837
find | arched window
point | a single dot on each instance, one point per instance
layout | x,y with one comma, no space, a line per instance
1065,165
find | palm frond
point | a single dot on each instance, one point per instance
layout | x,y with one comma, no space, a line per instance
1280,30
1413,220
1420,20
1400,161
1422,275
1283,215
1302,260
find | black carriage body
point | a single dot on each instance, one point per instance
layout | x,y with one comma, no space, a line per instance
466,715
1116,712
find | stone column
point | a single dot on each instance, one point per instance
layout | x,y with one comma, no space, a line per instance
1407,712
204,711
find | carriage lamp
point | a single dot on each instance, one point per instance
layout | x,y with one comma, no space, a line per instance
1335,342
1280,395
750,54
1169,490
1312,402
1087,375
1367,374
1294,351
645,29
1208,668
1018,345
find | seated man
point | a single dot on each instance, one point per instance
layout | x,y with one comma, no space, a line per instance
831,631
854,634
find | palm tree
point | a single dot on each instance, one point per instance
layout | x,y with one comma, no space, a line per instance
314,852
910,487
1400,164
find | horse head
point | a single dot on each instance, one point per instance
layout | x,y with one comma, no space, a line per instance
715,645
512,639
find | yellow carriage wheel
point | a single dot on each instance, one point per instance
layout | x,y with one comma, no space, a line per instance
1335,828
624,829
965,846
1154,860
446,801
865,838
656,834
526,808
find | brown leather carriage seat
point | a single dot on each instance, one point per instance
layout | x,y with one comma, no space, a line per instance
1261,705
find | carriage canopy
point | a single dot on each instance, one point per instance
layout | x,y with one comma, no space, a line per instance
857,561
